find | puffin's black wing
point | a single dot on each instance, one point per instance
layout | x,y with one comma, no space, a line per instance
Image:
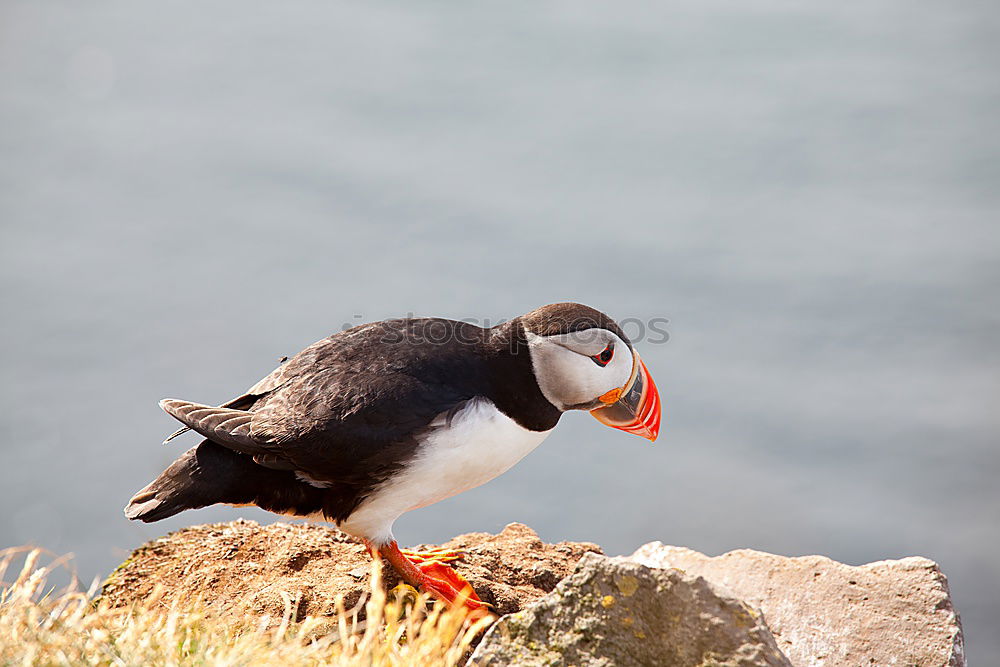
268,384
224,426
348,409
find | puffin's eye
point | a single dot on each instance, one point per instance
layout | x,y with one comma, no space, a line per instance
605,356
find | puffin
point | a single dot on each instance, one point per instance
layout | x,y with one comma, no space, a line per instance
391,416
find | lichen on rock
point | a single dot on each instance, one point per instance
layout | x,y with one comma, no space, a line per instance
612,611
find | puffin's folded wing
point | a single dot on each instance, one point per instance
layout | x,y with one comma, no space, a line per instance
225,426
269,383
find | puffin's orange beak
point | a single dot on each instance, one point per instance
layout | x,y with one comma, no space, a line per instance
635,408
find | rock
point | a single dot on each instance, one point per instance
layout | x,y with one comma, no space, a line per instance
245,567
607,612
891,612
612,611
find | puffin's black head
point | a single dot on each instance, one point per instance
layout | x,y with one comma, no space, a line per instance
583,361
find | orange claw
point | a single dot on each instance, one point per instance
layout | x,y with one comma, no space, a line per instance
440,555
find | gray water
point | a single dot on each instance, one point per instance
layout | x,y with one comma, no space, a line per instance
809,192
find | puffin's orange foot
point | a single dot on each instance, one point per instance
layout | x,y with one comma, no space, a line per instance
440,555
435,576
449,585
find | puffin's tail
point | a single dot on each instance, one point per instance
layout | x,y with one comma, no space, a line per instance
204,475
209,473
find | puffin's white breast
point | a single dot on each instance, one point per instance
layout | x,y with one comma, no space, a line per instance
478,444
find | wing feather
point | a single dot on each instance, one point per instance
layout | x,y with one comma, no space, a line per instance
224,426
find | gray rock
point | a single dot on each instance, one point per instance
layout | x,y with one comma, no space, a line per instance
892,612
612,611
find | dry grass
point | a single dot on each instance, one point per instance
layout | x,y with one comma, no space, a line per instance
72,627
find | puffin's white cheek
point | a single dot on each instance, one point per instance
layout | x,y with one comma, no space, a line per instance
571,378
582,379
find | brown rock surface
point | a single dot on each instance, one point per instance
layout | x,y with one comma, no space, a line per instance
242,566
892,612
616,612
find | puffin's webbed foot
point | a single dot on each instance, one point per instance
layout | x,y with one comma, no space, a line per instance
432,574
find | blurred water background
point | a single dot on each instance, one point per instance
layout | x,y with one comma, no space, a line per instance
808,191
